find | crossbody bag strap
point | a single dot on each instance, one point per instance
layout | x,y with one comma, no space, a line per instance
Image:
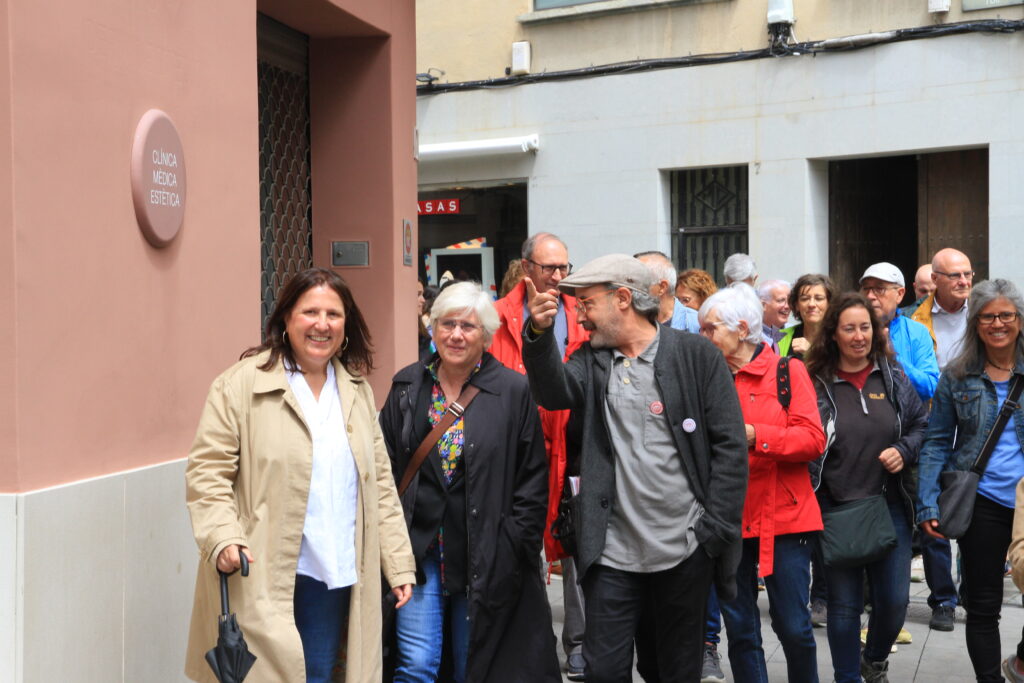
1009,405
454,412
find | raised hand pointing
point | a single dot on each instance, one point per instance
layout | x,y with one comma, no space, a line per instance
543,305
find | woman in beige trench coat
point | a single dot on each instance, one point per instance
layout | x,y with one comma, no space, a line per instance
249,483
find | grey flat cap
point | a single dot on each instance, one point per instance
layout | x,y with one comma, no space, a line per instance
620,270
886,272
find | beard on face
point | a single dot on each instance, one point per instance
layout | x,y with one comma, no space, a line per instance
604,337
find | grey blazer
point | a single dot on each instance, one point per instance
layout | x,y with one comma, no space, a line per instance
703,410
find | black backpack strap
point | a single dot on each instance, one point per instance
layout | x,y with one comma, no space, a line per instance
782,383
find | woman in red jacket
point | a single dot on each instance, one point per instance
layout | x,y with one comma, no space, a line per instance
780,514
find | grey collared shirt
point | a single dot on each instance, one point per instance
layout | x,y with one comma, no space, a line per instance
650,528
949,331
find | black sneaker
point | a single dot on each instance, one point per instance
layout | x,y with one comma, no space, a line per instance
874,672
574,667
943,618
711,672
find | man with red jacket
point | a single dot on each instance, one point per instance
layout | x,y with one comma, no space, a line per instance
546,262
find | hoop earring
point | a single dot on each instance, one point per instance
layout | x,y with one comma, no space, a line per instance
344,344
284,337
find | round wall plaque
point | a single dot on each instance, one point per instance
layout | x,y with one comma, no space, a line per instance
158,178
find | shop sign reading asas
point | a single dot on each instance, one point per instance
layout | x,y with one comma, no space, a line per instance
158,178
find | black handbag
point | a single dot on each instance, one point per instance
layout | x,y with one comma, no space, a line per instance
960,487
857,533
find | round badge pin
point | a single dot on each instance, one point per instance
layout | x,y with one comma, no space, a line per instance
657,408
689,425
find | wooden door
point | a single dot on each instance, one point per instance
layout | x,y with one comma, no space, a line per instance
872,217
952,200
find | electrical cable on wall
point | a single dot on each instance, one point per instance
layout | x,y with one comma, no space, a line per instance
784,46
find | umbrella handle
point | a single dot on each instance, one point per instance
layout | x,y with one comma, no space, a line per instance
225,610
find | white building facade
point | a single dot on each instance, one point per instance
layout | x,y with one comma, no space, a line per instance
606,174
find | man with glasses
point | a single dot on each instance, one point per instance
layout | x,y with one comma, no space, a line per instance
883,286
663,468
546,262
944,313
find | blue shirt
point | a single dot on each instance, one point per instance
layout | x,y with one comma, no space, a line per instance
912,343
1006,466
684,318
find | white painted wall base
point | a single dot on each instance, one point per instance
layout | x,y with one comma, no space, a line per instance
96,580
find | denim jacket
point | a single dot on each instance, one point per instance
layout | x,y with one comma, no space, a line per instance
963,413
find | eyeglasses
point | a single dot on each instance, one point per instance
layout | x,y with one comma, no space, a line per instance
450,326
583,304
877,291
563,268
1005,317
708,329
967,275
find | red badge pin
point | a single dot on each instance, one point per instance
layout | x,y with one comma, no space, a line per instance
657,408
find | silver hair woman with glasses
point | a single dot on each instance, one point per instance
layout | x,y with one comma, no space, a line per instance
475,506
780,512
971,390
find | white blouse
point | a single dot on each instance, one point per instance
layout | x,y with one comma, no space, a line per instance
328,551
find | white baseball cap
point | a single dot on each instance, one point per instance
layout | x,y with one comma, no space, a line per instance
885,272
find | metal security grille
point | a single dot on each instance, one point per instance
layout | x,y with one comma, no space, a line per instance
709,216
286,216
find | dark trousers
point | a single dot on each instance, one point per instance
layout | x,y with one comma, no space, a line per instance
937,557
983,549
819,584
787,587
889,582
669,605
713,619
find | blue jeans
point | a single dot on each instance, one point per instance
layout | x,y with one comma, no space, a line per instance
713,621
938,571
419,627
889,579
320,617
787,587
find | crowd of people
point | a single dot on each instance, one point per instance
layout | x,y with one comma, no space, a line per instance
675,447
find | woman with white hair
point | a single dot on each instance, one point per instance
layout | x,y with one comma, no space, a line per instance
475,504
780,513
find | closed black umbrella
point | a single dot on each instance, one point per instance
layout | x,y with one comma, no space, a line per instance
231,659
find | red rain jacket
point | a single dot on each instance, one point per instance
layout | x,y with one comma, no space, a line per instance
507,347
780,499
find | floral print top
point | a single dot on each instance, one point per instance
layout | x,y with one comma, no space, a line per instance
449,447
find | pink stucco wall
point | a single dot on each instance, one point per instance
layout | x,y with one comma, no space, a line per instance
111,344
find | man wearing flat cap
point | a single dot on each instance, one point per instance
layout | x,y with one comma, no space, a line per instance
663,468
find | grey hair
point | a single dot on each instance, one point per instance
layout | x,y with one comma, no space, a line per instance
465,298
972,350
736,302
739,267
662,266
765,289
533,240
646,304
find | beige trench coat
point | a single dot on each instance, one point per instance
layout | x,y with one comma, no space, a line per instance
247,482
